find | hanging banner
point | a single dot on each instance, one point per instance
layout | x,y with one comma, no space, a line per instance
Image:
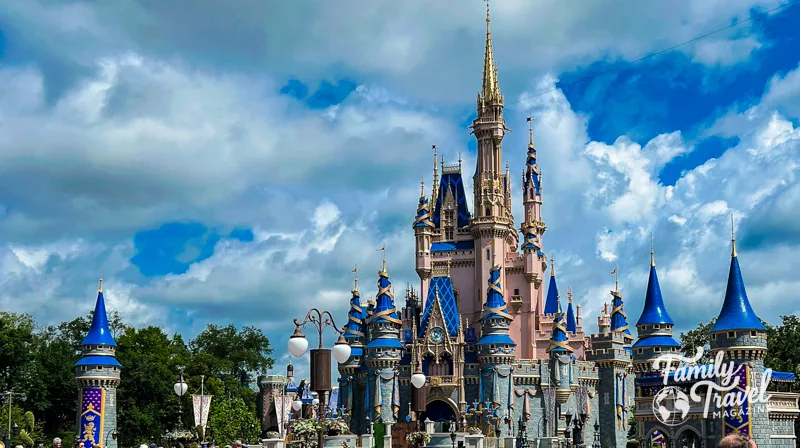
91,426
736,417
201,405
283,408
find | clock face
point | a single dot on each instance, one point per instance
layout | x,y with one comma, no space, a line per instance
437,335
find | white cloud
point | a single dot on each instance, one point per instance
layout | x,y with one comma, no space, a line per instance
725,52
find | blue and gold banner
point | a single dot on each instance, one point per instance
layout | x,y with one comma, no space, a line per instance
736,416
91,421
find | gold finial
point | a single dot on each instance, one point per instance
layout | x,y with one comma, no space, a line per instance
616,280
652,251
422,187
490,90
100,286
569,293
355,279
530,131
553,264
733,239
383,249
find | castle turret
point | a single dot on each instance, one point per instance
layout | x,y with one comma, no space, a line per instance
423,232
552,305
740,335
384,352
532,227
619,320
611,351
654,326
97,373
355,334
572,325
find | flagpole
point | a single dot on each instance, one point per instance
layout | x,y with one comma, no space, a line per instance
202,397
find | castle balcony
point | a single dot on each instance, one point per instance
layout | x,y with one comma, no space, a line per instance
439,381
516,302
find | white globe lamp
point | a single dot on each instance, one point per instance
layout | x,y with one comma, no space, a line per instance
297,405
341,350
315,402
298,344
180,387
418,379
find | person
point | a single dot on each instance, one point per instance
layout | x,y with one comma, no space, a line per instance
737,441
56,443
237,444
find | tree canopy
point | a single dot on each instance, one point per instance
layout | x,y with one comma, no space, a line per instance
38,362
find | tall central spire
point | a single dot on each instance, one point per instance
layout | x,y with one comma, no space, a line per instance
490,92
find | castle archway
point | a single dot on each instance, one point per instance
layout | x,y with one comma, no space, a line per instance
439,410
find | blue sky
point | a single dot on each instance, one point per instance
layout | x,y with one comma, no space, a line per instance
233,166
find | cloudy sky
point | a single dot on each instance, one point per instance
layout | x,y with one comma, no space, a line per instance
232,161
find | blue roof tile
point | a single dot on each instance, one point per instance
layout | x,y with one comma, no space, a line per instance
551,305
496,339
454,183
448,246
103,361
559,342
356,317
656,341
447,300
572,324
495,305
619,320
385,343
385,310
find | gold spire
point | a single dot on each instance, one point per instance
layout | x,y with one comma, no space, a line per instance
733,239
530,131
355,280
100,286
422,187
383,268
569,293
435,191
553,265
490,91
652,251
616,280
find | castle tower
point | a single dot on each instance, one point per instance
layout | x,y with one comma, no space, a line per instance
492,222
741,336
355,335
604,320
384,352
552,306
423,232
495,349
654,326
619,320
533,227
97,374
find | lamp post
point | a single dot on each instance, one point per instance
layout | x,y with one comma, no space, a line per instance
113,435
418,380
596,443
453,433
320,357
180,389
10,397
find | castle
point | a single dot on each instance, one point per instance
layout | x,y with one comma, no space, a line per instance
500,355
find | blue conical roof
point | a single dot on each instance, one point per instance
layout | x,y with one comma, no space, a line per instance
572,324
654,311
354,328
495,306
99,332
736,313
559,339
385,310
423,218
551,305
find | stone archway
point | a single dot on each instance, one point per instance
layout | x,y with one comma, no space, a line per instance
688,437
439,410
658,437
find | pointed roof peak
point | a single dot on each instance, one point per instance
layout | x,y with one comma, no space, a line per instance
490,89
654,311
736,312
355,282
99,331
100,285
553,265
552,302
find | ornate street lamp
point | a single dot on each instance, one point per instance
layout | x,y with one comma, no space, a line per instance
596,443
180,389
320,357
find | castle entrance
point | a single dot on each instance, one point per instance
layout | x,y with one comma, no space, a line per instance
438,411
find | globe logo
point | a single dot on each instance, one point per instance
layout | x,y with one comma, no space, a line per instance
671,406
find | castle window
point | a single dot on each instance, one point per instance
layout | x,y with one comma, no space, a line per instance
658,349
753,334
731,334
488,255
516,292
656,327
488,211
639,351
99,368
714,337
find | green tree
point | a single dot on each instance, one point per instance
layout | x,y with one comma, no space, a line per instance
697,338
228,352
231,419
16,338
784,346
27,433
147,405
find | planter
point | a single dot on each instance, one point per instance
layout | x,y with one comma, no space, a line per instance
336,441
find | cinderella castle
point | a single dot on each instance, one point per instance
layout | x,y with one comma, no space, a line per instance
501,355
